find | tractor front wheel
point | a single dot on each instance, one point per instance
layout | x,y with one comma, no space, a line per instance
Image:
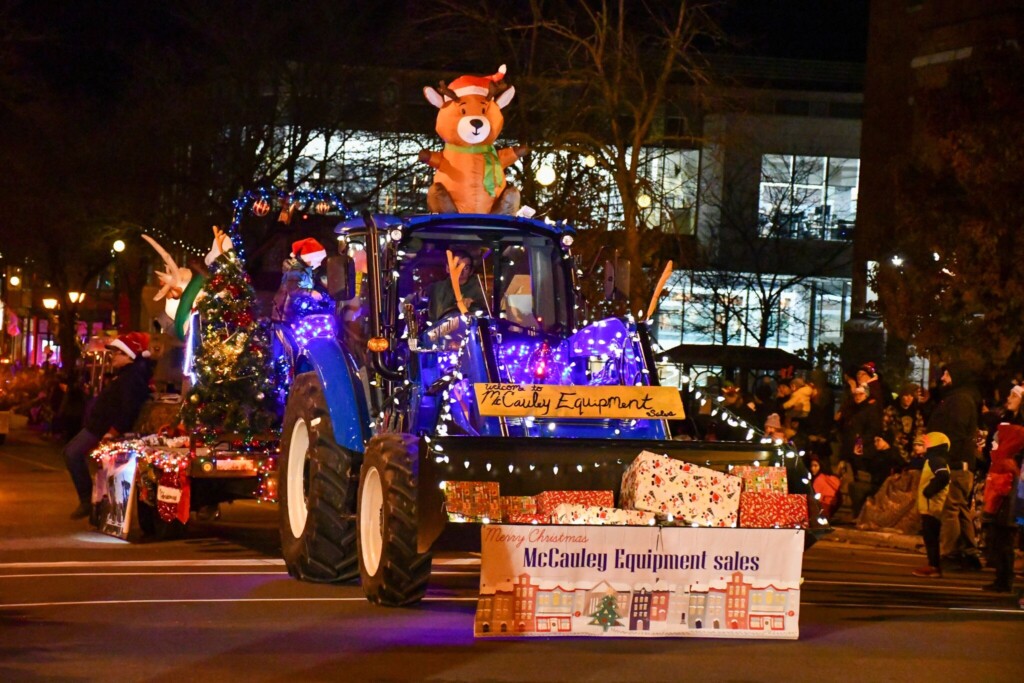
318,538
393,573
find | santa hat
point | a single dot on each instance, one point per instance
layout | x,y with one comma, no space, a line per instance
309,250
133,344
476,85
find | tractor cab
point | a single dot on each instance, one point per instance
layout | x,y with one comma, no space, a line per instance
517,325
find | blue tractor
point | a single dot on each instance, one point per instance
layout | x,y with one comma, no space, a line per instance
392,400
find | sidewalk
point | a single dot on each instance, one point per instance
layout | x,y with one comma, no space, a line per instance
877,539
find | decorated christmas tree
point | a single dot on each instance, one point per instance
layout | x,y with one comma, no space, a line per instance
607,614
234,388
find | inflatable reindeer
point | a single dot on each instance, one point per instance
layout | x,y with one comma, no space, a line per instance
180,289
470,175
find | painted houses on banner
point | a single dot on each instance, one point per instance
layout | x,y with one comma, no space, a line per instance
525,606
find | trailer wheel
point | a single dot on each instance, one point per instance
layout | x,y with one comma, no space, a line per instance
393,573
154,526
318,538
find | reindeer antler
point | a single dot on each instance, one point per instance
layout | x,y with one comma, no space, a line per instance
174,279
495,88
446,91
221,244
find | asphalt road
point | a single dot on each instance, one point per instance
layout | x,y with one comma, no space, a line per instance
218,605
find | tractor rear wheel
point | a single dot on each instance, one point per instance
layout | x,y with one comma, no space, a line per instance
393,573
318,537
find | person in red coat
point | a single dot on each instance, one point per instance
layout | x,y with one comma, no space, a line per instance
999,517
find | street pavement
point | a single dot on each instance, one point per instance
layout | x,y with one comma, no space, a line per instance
218,605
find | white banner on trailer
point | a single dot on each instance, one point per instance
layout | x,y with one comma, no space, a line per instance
641,582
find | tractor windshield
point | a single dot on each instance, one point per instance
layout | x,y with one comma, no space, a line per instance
531,285
512,276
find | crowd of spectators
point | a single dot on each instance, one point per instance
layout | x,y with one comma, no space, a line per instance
52,402
860,450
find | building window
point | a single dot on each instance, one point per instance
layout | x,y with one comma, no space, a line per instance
808,197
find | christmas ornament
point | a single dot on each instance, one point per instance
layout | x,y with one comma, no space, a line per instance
261,208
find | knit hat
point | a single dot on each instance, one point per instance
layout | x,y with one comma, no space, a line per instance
476,85
869,368
934,439
773,422
1017,391
133,344
309,251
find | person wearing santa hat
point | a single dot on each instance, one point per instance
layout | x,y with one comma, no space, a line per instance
114,411
301,272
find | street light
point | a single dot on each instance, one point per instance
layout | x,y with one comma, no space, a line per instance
118,246
76,297
14,280
545,175
643,201
49,303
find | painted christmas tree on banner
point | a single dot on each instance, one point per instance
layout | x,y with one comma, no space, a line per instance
607,615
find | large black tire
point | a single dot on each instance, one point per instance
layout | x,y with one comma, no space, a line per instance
317,521
393,573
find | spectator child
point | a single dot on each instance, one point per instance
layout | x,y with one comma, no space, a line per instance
931,496
799,402
826,487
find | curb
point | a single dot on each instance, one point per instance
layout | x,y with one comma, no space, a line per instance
877,539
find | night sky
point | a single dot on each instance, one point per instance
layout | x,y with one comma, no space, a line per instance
832,30
88,43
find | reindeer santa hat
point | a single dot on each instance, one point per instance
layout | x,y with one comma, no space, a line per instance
476,85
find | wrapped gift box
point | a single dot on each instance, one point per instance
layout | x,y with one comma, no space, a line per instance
762,479
517,505
572,513
472,501
523,518
549,500
668,487
765,510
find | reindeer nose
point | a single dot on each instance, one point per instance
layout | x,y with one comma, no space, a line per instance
477,124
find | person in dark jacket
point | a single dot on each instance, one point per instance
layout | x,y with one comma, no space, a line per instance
114,411
931,497
957,417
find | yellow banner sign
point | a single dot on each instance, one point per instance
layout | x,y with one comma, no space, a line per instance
604,402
